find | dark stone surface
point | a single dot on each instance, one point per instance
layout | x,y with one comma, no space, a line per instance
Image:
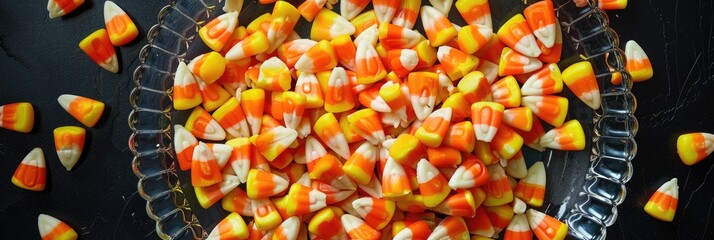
39,60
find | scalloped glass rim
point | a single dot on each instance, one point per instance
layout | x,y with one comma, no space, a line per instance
587,210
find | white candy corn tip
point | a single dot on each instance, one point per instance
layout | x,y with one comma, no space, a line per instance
485,132
489,70
280,184
338,143
373,188
519,223
440,232
338,78
444,6
222,152
536,174
183,139
340,26
229,183
527,46
546,35
409,59
233,6
591,98
214,131
291,227
284,136
183,76
634,51
203,153
423,105
385,13
69,155
65,100
369,35
532,102
379,105
516,167
36,157
426,171
461,178
670,188
429,16
350,222
404,234
304,180
363,206
46,224
318,200
534,218
112,10
349,10
111,64
56,10
314,149
519,207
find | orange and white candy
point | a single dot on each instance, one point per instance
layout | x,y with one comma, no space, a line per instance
395,182
472,38
460,136
499,216
206,170
548,80
18,117
187,93
231,117
532,138
423,87
514,63
366,123
99,48
376,212
438,28
516,34
498,190
284,18
486,118
551,109
308,85
338,95
356,228
520,118
265,214
407,13
262,184
402,61
694,147
456,63
207,196
580,79
507,142
119,26
471,173
394,36
433,185
69,142
320,57
294,108
287,230
184,143
291,51
345,50
52,228
406,149
612,4
326,224
395,98
552,54
328,130
216,33
541,19
273,142
364,21
240,157
360,165
450,228
531,189
369,68
417,230
480,225
303,200
475,12
638,64
385,9
208,67
489,70
58,8
231,227
460,108
663,203
569,136
545,226
433,129
328,25
31,174
254,44
86,110
349,9
253,103
518,229
213,95
444,6
203,126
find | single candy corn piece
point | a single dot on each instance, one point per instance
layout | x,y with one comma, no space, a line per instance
231,227
476,12
265,215
329,170
19,117
255,43
519,118
274,75
548,80
360,165
438,28
545,226
364,21
367,124
294,107
376,212
290,52
231,117
518,229
333,194
207,196
426,53
492,50
612,4
260,24
569,136
541,19
202,125
53,229
69,142
119,26
531,189
328,130
288,229
443,156
395,182
456,63
407,149
471,173
58,8
326,224
484,152
284,18
233,77
461,136
206,170
345,50
253,102
385,9
580,79
499,216
516,166
407,13
238,201
551,109
320,57
356,228
450,228
338,96
459,204
397,37
498,190
184,143
349,9
444,6
187,93
480,224
208,67
663,203
638,64
213,95
460,107
217,32
369,68
516,34
304,200
432,184
506,142
395,98
31,173
86,110
99,48
308,86
514,63
416,230
402,61
486,118
471,38
263,184
328,25
423,88
274,142
432,131
694,147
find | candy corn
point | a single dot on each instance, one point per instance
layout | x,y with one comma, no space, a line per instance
545,226
203,126
86,110
360,165
187,93
499,216
480,224
407,13
541,19
328,25
376,212
326,224
456,63
416,230
206,170
395,182
476,12
208,67
119,26
422,92
184,144
238,201
99,48
520,118
366,123
284,18
531,189
580,79
263,184
461,136
694,147
638,64
471,173
69,142
486,117
358,229
548,80
569,136
288,229
472,38
498,190
432,131
612,4
304,200
514,63
338,96
207,196
265,215
516,166
551,109
385,9
53,229
58,8
273,142
450,228
663,203
433,186
516,34
518,229
18,117
231,227
349,9
31,173
438,28
233,6
255,43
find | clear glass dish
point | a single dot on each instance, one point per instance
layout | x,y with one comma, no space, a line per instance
584,187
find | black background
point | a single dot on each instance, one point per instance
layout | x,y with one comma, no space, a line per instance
40,60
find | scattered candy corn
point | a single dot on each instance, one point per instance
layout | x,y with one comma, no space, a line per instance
86,110
663,203
99,48
53,229
31,173
694,147
638,64
119,26
18,117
